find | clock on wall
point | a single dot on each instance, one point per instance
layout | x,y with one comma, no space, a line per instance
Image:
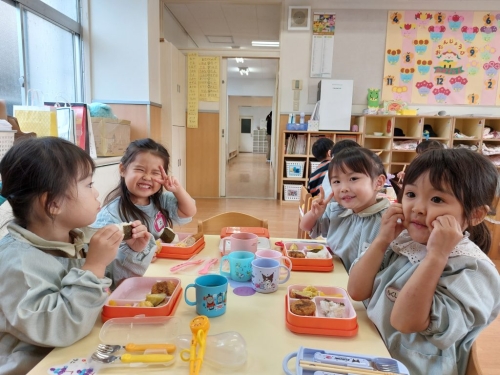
299,18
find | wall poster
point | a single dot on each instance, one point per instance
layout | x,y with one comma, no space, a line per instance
447,57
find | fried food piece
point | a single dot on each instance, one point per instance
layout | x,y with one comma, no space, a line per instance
166,287
296,254
299,294
303,307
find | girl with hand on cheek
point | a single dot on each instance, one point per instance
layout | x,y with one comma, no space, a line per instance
431,287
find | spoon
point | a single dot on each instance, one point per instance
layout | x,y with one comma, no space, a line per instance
131,358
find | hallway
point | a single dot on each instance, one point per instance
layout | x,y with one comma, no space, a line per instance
248,175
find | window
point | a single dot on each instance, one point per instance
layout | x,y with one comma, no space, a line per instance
40,48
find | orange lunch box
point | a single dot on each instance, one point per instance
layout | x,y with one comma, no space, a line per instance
322,322
133,290
308,264
260,232
175,252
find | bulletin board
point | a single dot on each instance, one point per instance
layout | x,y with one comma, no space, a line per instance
447,57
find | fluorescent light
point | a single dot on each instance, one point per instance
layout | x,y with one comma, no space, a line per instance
264,43
244,71
240,60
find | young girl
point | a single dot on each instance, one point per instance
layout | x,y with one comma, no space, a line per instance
53,284
432,289
353,221
140,195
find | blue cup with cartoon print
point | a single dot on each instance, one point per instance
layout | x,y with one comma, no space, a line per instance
211,295
240,265
266,275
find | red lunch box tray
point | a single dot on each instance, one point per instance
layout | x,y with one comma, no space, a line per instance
319,323
260,232
308,264
175,252
134,290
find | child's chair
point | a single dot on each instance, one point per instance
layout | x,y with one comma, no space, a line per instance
304,207
214,224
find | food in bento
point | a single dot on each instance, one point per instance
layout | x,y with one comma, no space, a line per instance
126,228
168,235
296,254
317,254
332,309
293,247
156,299
303,307
166,287
307,293
314,247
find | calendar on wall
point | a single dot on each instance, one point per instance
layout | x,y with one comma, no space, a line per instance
447,57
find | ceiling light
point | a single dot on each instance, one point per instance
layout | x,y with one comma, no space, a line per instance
239,60
263,43
244,71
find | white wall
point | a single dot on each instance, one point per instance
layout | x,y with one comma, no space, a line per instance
358,50
246,86
124,50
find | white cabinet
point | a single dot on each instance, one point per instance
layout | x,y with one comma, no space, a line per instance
259,141
178,154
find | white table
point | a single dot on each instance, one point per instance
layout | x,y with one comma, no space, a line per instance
260,319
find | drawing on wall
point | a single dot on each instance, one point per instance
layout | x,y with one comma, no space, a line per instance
444,57
324,24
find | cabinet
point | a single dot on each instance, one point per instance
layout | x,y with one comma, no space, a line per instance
394,138
259,141
173,111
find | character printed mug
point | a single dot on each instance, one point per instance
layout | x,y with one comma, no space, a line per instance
266,275
240,265
211,295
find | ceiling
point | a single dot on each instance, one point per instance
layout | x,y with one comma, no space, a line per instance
216,25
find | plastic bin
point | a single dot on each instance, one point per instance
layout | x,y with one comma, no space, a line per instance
292,192
6,141
314,165
295,168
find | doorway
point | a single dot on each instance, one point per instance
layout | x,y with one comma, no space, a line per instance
250,98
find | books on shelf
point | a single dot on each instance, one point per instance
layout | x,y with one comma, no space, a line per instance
296,144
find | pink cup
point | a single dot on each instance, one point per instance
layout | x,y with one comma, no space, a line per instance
276,255
240,242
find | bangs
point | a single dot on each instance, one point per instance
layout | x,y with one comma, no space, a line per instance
354,160
85,168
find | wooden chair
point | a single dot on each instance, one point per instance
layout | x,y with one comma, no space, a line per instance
214,224
473,367
304,207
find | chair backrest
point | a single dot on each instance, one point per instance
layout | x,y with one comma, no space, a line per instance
304,201
473,367
214,224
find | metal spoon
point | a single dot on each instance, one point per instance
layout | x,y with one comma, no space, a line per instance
131,358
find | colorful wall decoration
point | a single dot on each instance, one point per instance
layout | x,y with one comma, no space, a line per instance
444,57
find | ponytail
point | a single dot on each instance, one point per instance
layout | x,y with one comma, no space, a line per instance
481,236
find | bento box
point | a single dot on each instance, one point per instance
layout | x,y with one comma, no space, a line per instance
260,232
320,310
319,361
125,300
310,252
175,252
146,341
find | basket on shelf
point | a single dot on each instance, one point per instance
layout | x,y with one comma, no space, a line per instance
295,168
314,165
292,192
6,141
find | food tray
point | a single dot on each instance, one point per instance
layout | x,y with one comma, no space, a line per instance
175,252
133,290
308,264
320,324
263,243
261,232
307,354
139,330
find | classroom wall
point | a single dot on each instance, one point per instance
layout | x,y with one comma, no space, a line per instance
358,50
246,86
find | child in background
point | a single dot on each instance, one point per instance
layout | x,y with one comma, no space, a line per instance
53,284
321,150
140,195
337,147
353,221
421,148
432,288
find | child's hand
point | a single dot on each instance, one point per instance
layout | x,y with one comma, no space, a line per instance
445,235
140,237
400,176
170,183
392,223
319,204
103,248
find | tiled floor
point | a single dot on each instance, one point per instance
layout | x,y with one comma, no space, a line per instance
249,175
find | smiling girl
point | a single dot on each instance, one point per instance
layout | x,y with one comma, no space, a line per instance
140,195
353,221
430,284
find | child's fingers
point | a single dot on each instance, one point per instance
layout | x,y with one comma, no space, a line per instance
329,198
163,173
321,193
161,182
